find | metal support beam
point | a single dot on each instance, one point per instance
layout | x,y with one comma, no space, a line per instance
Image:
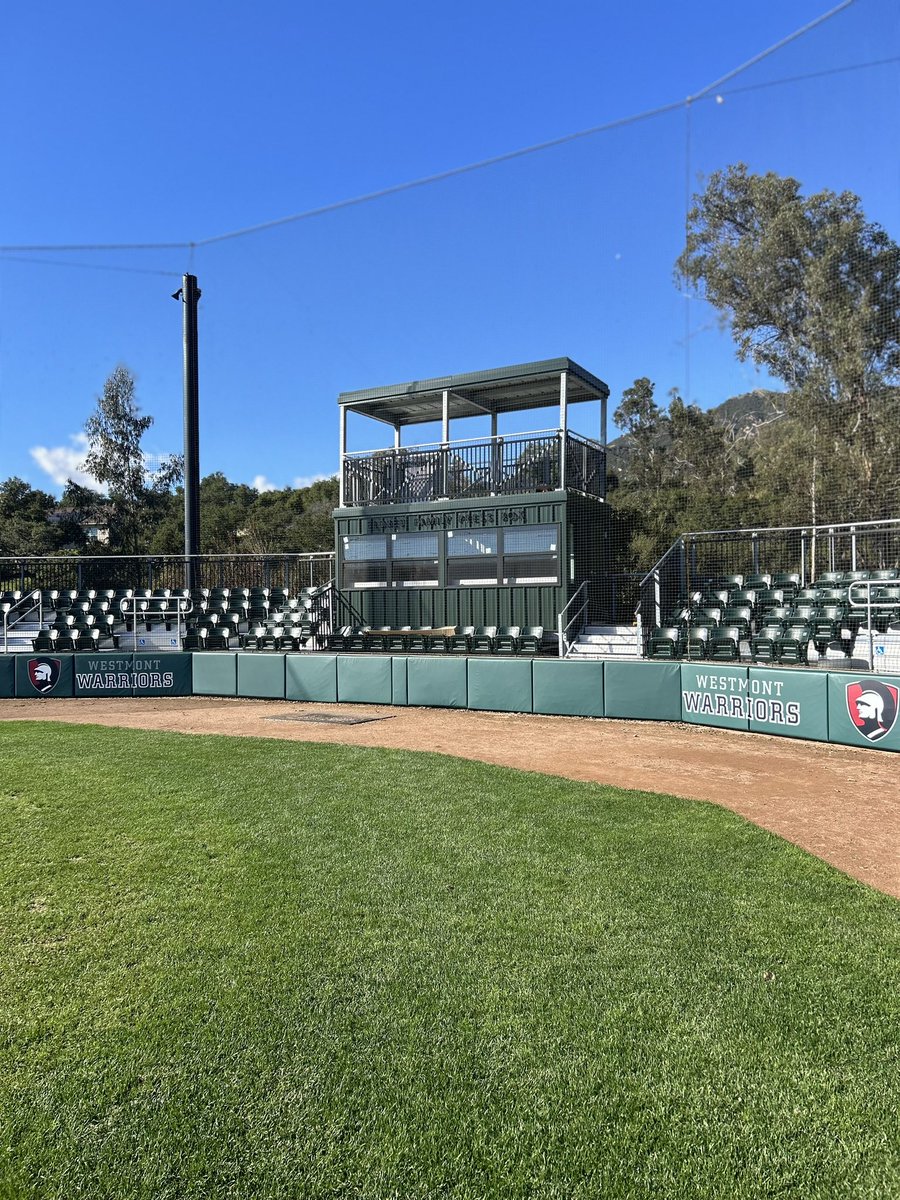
189,296
342,450
445,438
563,425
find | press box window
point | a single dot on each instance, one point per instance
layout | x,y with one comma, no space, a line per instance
365,562
472,559
531,555
414,560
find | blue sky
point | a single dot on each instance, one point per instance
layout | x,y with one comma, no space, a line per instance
176,123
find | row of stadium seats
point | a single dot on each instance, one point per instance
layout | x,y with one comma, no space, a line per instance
787,579
211,617
463,639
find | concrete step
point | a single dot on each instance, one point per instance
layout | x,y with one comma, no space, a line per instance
18,638
606,641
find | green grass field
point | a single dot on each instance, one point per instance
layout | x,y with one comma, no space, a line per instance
249,968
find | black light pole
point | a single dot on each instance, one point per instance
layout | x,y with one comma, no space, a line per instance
189,294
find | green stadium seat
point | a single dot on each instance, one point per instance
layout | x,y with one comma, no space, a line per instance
762,645
531,639
459,642
740,615
395,643
665,643
761,579
250,640
482,641
376,639
45,640
419,639
338,640
696,643
725,644
507,639
711,617
767,598
788,581
357,640
792,646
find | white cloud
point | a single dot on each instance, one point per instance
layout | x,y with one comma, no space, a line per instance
302,481
63,463
264,485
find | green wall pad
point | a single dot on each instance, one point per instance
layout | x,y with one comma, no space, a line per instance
500,685
162,674
261,676
44,675
436,682
398,680
7,676
312,677
642,691
864,710
715,695
364,680
215,673
788,703
103,674
567,688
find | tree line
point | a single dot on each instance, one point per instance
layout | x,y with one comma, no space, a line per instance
810,290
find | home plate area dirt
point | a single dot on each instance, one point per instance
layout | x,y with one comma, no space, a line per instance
838,802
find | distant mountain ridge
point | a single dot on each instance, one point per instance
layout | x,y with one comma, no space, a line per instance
749,408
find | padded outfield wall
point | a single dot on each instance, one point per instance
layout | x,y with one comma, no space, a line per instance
823,706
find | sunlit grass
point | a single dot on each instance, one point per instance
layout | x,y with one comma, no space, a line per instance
248,968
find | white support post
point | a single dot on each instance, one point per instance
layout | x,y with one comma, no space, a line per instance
445,438
563,427
397,437
342,449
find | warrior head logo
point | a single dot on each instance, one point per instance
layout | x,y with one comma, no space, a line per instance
872,706
44,673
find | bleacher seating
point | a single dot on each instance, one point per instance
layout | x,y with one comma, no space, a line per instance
768,617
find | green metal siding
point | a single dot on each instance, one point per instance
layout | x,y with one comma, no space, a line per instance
536,604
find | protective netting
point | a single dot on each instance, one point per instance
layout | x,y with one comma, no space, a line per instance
745,317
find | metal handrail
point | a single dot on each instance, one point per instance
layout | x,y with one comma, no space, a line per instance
470,441
538,461
136,606
869,604
826,527
37,602
653,575
565,645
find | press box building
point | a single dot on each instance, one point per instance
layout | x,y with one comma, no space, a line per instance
501,529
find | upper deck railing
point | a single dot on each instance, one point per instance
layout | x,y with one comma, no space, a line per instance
545,461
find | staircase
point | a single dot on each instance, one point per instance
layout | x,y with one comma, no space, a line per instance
20,621
606,641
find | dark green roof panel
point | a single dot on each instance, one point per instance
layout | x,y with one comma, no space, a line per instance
503,389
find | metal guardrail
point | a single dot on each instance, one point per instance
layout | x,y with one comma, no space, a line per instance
155,610
868,604
545,461
158,571
664,577
563,630
22,608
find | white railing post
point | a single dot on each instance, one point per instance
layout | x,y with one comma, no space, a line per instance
342,450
